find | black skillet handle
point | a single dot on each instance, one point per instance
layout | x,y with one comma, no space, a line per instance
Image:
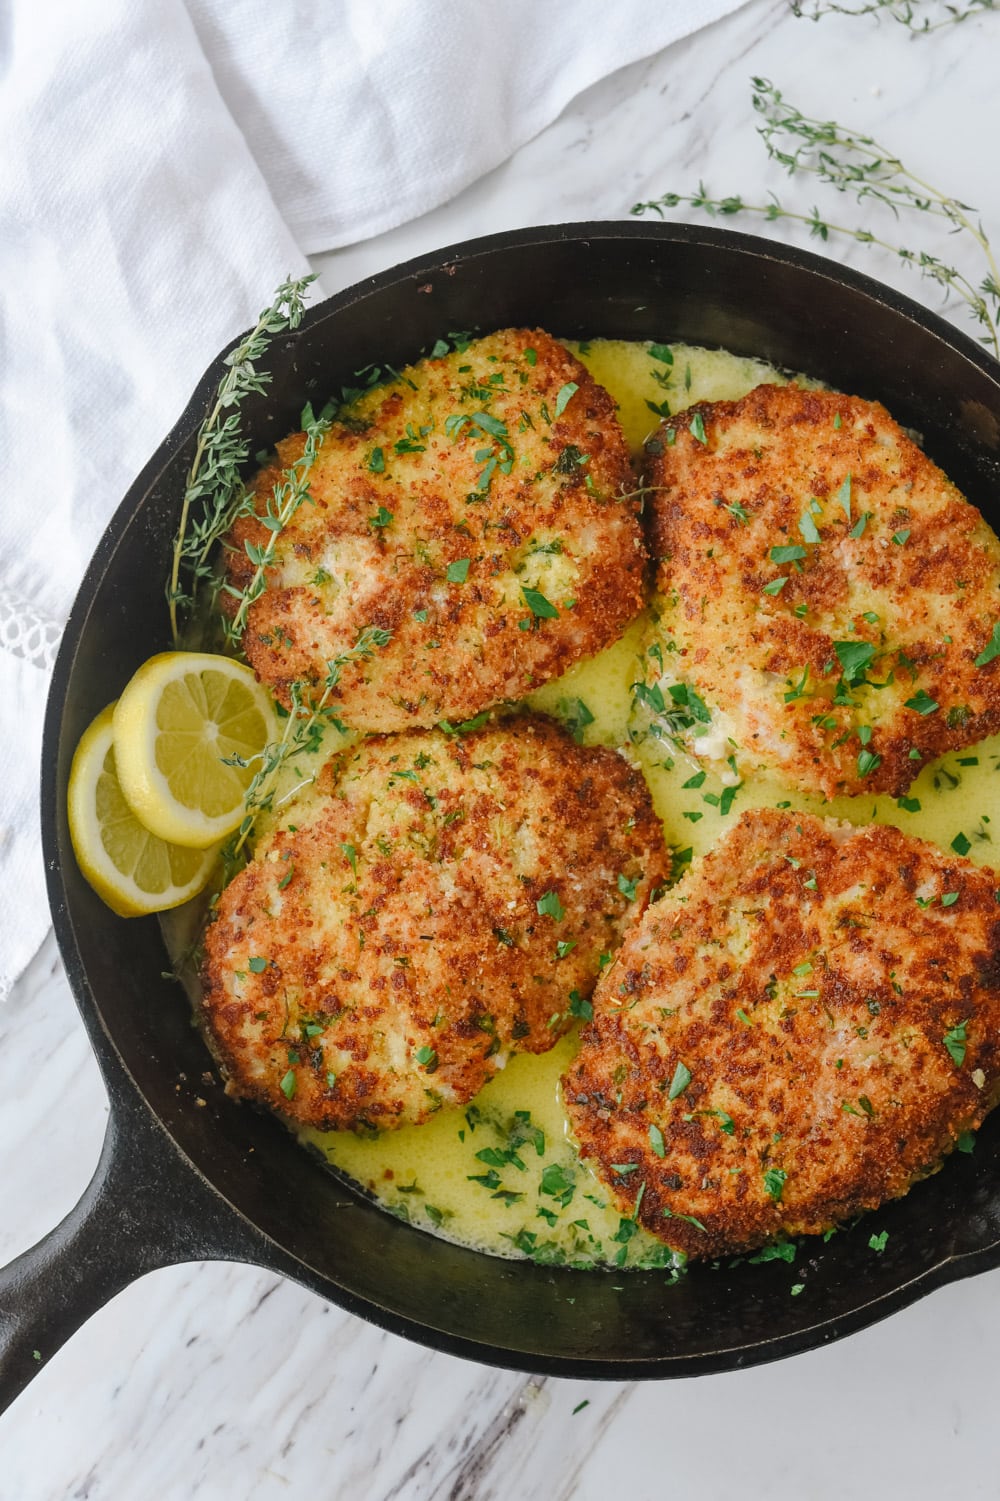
144,1208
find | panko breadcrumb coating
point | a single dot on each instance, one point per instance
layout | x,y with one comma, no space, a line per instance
434,904
826,591
481,507
796,1032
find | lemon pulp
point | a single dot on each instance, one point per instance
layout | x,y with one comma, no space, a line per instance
131,869
190,729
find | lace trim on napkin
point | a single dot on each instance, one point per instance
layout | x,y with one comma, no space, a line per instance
27,633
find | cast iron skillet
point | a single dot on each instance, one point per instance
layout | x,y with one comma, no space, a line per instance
186,1173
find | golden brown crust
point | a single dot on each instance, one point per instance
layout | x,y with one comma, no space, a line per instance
919,585
384,950
415,452
797,977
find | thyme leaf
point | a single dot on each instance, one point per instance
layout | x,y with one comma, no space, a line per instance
214,493
304,728
906,12
852,162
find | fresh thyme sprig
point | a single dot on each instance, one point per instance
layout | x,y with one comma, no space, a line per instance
906,12
854,163
214,494
286,498
305,727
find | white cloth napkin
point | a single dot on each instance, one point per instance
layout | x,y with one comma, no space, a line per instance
165,165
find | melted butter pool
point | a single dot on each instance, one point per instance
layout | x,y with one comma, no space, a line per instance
502,1175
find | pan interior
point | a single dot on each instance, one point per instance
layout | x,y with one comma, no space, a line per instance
611,281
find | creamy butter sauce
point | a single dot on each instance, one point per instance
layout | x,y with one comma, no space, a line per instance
502,1175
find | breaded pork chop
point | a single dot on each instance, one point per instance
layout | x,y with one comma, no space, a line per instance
827,592
430,908
798,1031
475,507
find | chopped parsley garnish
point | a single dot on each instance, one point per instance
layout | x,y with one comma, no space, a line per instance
492,425
797,690
488,1180
949,899
725,1120
539,606
922,703
257,965
523,1131
900,538
854,658
879,1242
662,352
656,1140
685,697
287,1085
564,947
382,517
698,428
558,1183
808,528
549,905
781,1250
774,1182
627,888
565,396
376,461
569,461
351,856
955,1041
458,572
961,845
857,530
991,649
427,1058
672,1214
680,1081
776,585
790,554
868,761
465,726
580,1007
844,493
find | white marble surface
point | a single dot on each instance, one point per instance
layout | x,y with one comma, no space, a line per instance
217,1382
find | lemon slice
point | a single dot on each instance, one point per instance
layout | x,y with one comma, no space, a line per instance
128,867
181,719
